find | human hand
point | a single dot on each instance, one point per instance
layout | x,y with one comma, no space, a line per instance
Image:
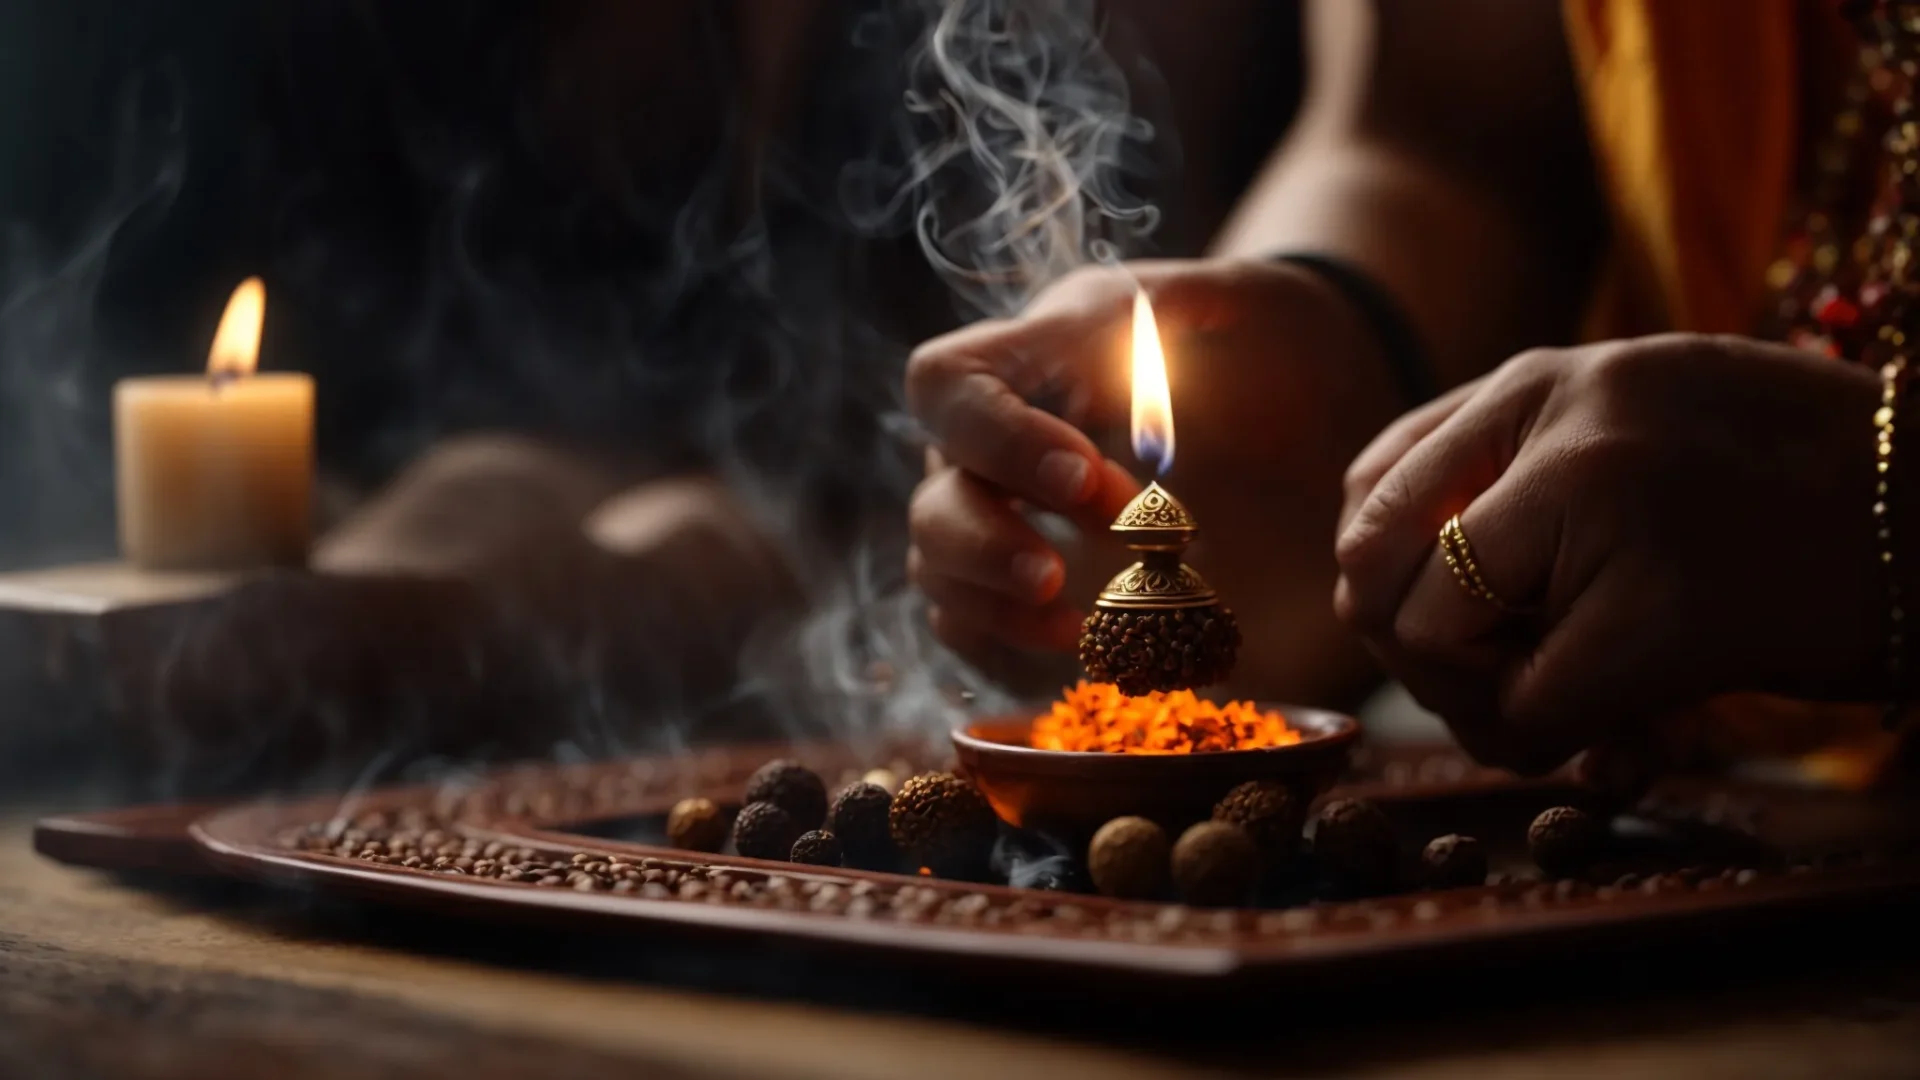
1680,516
1274,378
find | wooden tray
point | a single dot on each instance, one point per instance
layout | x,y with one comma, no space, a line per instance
136,839
1741,865
156,837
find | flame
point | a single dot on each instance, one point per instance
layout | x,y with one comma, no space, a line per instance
236,345
1098,717
1152,403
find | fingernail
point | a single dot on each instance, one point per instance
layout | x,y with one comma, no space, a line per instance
1063,476
1036,573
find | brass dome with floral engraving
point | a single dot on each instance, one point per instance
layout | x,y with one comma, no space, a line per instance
1170,584
1158,626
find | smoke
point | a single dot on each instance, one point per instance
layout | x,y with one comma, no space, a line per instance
1018,141
1007,159
745,337
1032,860
55,468
999,138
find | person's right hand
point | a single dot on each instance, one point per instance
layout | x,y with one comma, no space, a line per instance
1276,386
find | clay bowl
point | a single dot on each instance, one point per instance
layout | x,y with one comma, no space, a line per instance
1070,795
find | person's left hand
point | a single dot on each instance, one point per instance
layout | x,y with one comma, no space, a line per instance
1674,517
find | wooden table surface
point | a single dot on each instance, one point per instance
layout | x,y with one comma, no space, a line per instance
101,976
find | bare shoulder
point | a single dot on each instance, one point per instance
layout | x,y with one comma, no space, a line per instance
1475,83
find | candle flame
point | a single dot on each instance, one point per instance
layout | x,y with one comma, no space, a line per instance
236,345
1152,403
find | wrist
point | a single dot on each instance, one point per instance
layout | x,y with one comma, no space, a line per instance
1385,320
1839,654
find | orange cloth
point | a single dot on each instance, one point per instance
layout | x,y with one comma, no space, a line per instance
1693,111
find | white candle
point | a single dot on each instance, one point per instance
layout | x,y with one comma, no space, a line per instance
215,471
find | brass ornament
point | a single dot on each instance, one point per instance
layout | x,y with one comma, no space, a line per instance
1155,513
1158,626
1160,528
1157,581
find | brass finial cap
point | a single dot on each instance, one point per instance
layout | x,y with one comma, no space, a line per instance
1155,520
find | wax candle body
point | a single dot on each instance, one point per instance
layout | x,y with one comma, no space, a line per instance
214,474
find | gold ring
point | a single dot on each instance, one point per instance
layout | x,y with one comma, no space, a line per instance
1459,556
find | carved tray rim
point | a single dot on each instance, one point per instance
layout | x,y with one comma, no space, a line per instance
241,841
232,840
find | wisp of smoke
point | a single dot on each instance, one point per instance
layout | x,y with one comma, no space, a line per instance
1008,160
1018,140
1008,151
52,399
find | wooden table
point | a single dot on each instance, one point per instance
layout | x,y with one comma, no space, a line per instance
106,977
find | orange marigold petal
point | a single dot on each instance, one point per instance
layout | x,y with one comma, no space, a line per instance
1097,717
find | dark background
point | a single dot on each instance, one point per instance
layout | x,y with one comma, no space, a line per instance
568,218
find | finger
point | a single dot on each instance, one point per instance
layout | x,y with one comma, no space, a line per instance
1393,534
969,611
1624,765
1047,349
973,644
1345,606
1185,288
1513,535
964,529
1393,442
984,427
1116,488
978,647
1452,647
1025,674
973,390
1465,698
1597,670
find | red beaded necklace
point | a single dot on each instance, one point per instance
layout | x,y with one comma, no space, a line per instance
1858,299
